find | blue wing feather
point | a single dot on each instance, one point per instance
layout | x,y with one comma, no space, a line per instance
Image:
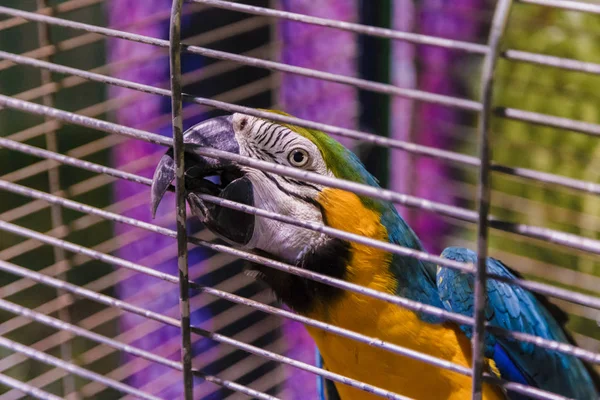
514,308
325,388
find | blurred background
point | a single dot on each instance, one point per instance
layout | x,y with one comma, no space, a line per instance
519,85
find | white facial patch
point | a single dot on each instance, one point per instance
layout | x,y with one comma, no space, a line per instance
269,141
284,240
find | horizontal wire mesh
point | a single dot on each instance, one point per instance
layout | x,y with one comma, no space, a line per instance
62,235
241,92
591,187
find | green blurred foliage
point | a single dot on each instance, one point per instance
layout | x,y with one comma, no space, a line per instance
556,92
16,81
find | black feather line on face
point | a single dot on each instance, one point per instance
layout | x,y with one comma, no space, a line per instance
306,199
300,183
302,294
262,135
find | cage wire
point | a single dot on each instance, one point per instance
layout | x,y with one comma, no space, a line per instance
93,90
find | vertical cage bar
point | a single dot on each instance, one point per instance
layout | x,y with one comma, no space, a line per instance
182,255
56,216
483,192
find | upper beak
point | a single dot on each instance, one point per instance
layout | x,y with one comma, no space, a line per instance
215,133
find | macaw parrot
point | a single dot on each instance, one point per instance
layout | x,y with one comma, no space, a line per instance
507,306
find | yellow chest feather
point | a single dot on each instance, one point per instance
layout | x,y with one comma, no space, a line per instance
391,323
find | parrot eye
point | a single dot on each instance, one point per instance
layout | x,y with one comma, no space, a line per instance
298,157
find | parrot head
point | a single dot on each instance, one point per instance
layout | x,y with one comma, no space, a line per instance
292,146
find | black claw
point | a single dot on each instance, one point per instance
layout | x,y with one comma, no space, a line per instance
217,133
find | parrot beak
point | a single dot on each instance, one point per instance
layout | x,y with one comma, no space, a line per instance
217,133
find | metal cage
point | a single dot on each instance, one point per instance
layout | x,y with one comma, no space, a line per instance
59,335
